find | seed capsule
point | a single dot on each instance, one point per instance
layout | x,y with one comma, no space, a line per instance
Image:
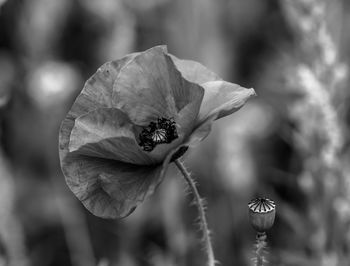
262,214
159,135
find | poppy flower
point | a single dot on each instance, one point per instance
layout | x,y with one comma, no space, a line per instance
133,117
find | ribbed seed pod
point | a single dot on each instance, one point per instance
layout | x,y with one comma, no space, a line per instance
262,213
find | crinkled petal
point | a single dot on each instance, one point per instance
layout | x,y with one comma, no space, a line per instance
97,93
222,98
143,89
201,131
188,98
185,92
150,87
107,133
191,96
194,71
108,188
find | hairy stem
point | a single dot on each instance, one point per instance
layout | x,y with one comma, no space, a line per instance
260,248
202,219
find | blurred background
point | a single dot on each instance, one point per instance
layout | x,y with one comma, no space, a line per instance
290,144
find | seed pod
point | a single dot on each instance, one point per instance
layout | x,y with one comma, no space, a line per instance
262,214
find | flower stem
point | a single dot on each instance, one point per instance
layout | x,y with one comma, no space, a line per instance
200,206
260,248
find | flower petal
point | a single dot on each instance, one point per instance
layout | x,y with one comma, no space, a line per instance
201,131
97,93
107,133
188,98
150,87
194,71
222,98
108,188
143,89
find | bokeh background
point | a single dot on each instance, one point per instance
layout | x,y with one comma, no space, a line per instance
290,144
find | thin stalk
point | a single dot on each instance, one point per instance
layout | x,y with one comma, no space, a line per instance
260,248
202,219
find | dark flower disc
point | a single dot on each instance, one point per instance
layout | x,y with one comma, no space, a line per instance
162,131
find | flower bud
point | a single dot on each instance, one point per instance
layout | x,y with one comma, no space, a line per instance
262,214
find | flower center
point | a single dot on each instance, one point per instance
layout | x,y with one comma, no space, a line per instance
159,135
162,131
